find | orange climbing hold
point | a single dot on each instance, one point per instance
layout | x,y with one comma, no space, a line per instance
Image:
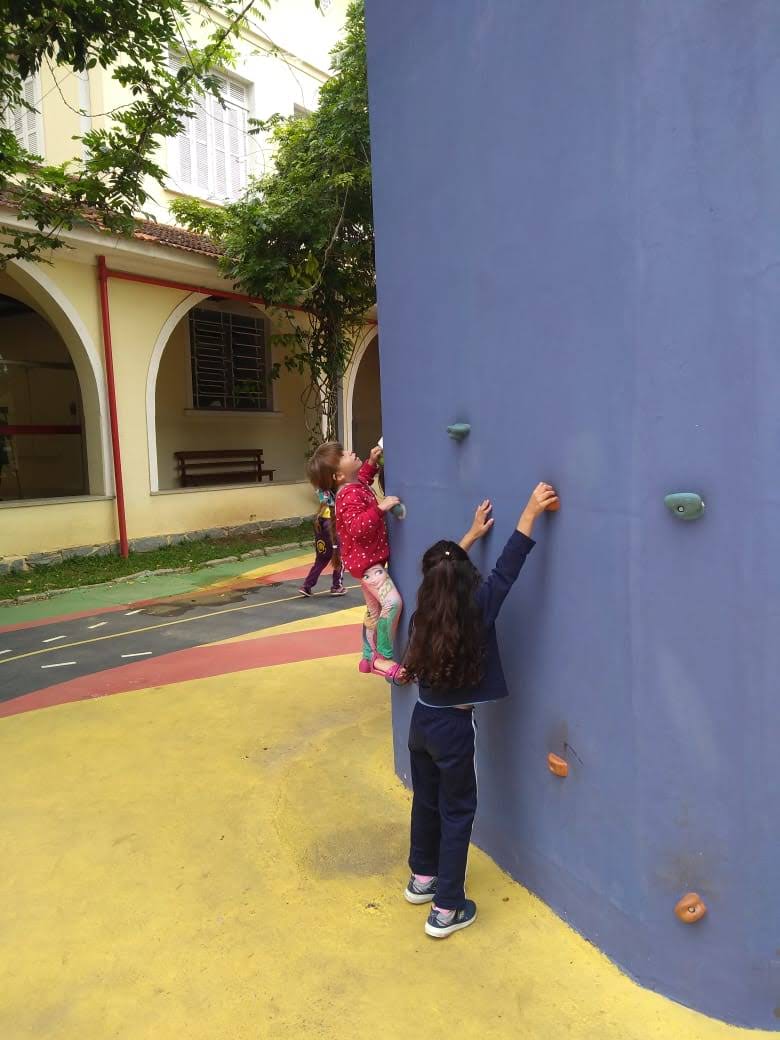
557,765
690,908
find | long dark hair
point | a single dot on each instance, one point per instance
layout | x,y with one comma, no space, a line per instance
446,645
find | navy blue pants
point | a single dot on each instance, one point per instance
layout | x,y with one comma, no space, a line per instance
441,746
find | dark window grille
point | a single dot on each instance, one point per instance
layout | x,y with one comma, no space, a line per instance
229,361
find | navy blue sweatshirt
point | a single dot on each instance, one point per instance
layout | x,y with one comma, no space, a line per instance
490,597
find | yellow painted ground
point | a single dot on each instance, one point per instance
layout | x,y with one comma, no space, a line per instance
224,859
348,616
275,566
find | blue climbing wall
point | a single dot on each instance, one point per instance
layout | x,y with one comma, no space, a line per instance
578,246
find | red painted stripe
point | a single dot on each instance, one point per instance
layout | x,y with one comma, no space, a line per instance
289,575
198,662
237,582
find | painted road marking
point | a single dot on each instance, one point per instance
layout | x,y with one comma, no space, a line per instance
98,625
60,664
297,598
52,639
129,613
5,652
143,653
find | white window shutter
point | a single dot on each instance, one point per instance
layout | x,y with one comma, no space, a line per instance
182,145
25,123
31,138
211,147
237,94
236,125
201,133
219,125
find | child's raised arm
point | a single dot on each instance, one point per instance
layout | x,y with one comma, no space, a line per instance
495,589
370,467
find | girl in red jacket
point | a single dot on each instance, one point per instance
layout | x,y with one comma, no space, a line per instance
362,535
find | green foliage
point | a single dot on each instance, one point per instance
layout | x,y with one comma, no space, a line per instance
133,38
303,234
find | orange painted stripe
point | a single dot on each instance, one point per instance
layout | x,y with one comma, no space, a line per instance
198,662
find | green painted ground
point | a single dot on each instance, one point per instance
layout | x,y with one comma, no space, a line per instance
126,592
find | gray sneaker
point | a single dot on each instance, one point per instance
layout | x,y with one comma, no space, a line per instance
436,926
417,893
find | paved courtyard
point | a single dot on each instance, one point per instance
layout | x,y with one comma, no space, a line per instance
203,839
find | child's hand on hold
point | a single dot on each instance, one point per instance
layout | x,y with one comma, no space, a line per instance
388,502
543,497
483,521
480,526
375,456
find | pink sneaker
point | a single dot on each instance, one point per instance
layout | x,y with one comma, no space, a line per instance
365,666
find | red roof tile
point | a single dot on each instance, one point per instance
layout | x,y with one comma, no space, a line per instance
151,231
176,238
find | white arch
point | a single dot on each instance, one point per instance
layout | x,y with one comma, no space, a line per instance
350,378
179,311
55,306
165,333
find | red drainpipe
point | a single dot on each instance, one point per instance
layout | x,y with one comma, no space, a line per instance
105,316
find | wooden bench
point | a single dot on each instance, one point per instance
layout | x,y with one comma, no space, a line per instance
232,466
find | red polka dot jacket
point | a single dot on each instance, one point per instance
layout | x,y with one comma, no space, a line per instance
360,525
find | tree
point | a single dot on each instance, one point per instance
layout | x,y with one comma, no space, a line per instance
304,234
134,38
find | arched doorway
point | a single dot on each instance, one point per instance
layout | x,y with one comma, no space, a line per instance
43,443
366,410
210,390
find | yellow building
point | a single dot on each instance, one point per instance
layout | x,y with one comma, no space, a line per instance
191,360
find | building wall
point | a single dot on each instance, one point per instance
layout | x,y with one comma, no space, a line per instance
590,274
283,58
281,434
138,316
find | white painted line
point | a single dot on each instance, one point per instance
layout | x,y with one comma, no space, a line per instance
5,652
129,613
98,625
52,639
143,653
61,664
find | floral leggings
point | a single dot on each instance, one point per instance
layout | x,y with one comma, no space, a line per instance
383,609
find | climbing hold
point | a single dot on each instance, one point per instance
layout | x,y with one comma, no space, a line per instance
557,765
690,908
399,511
459,431
685,505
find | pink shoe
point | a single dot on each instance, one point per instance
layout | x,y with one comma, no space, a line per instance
365,666
388,672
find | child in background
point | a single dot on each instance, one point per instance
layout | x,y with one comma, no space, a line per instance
453,656
321,471
362,534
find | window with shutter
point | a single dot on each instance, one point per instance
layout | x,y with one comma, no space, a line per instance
26,124
229,361
211,150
